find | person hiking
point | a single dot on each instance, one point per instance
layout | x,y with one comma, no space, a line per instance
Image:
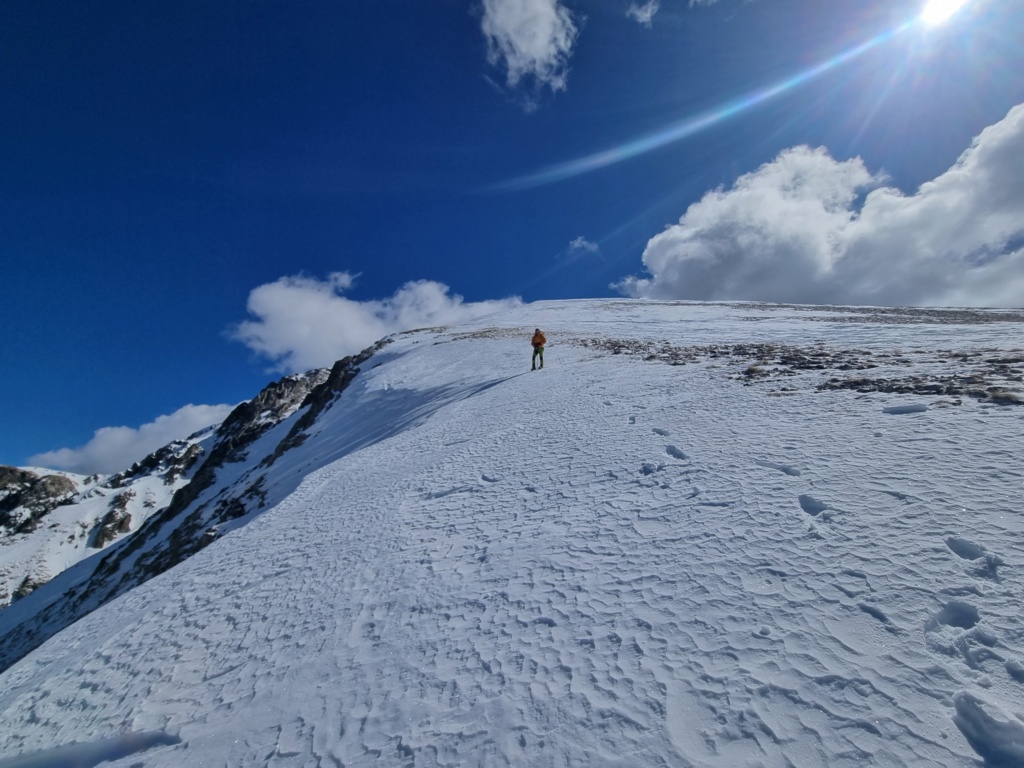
538,341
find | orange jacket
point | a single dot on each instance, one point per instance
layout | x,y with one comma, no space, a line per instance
539,339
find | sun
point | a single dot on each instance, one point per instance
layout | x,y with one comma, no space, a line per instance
937,11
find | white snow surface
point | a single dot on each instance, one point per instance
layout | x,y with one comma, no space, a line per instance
609,562
66,536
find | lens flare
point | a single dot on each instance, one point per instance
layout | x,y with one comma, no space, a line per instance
938,11
689,126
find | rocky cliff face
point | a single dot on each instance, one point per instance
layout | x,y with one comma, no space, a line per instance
219,478
14,480
116,522
28,498
49,522
170,462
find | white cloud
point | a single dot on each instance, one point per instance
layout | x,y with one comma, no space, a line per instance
643,14
581,246
114,449
578,248
808,228
303,323
531,40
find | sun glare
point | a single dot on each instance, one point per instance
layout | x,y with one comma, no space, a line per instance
938,11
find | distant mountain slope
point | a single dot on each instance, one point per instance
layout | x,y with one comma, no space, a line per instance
702,535
51,520
57,523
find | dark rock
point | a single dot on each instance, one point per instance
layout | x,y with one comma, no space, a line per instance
27,586
116,522
13,479
173,460
22,510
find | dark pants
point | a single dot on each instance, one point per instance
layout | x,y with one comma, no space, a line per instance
538,352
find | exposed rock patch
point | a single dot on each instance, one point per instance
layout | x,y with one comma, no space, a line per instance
190,522
173,461
15,480
321,398
990,376
893,315
116,522
27,587
22,510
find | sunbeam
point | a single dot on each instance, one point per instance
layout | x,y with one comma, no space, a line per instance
689,126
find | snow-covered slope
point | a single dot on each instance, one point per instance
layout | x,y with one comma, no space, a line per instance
711,535
50,520
53,525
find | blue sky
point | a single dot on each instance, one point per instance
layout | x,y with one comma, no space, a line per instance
199,197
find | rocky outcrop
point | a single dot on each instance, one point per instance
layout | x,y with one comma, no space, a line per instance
190,522
15,480
314,391
172,461
116,522
243,426
22,509
320,399
27,587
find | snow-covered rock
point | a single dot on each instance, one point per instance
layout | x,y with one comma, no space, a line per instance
51,521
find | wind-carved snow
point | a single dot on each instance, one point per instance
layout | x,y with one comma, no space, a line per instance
507,568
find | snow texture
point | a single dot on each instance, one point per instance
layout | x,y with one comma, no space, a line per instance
97,513
680,544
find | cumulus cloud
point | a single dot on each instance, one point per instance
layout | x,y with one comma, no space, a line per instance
643,14
808,228
114,449
302,322
532,40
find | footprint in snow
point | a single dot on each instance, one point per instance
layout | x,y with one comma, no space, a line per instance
1015,670
660,431
675,453
874,612
811,505
784,468
965,549
956,613
986,563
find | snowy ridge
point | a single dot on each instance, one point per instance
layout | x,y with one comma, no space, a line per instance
685,542
51,549
51,520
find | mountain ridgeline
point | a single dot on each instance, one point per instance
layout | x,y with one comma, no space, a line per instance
123,530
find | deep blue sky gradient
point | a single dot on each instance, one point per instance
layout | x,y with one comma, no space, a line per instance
159,161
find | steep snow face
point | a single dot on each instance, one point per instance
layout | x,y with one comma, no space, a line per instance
701,535
51,521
